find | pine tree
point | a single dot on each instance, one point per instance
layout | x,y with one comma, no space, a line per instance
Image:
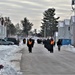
49,22
26,26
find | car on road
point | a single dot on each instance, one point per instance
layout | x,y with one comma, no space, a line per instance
16,42
5,42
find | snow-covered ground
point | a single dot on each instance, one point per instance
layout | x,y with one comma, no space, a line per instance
68,48
10,57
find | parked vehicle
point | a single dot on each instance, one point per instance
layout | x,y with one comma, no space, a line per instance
16,42
5,42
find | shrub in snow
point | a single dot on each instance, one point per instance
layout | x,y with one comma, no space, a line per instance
1,66
8,70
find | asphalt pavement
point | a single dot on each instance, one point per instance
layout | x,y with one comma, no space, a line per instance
42,62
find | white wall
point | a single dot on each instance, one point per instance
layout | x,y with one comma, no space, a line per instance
2,31
63,30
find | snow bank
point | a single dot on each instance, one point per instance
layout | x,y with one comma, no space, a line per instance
68,48
10,59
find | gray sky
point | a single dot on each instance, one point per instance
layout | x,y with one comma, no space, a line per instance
33,10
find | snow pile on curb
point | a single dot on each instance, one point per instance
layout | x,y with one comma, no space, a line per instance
68,48
10,60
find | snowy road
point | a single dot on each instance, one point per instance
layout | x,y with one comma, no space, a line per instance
42,62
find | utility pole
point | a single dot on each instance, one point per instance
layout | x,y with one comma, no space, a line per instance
73,6
73,25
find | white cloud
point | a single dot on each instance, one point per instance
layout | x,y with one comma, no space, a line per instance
10,4
33,9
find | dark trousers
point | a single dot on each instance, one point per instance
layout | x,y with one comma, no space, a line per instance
30,49
59,47
51,49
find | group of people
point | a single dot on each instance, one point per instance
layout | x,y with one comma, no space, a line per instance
30,44
48,44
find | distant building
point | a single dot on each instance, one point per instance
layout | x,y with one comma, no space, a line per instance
64,29
72,30
3,30
61,31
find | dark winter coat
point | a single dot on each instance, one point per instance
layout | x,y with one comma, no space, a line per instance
59,42
30,45
24,41
46,44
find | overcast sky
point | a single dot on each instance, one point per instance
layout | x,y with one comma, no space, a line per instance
33,10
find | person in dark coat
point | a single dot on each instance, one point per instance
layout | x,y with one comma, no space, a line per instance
52,43
59,43
48,44
24,41
33,41
30,44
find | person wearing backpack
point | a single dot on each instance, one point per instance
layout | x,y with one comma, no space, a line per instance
30,45
49,43
52,43
59,44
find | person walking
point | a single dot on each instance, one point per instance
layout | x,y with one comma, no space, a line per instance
48,44
52,43
30,45
59,43
24,41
